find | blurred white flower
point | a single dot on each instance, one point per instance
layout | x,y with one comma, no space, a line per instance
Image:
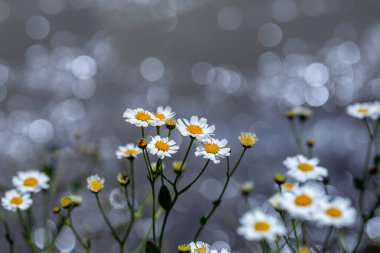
30,181
364,110
337,212
14,200
128,151
302,169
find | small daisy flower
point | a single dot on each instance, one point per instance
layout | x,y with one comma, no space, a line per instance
337,212
14,200
139,117
303,169
247,140
162,147
31,181
302,202
213,149
162,114
95,183
362,110
196,128
130,151
256,225
288,186
199,247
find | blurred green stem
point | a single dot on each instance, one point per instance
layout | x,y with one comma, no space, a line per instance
294,227
7,235
26,232
87,245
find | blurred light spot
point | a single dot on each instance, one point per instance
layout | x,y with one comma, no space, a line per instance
269,63
346,31
313,7
36,56
117,199
294,93
62,38
65,240
73,109
202,72
157,96
349,52
230,18
316,96
4,11
40,131
219,245
51,7
284,10
294,46
316,74
372,228
210,188
19,148
84,67
270,34
84,89
227,80
152,69
37,27
4,75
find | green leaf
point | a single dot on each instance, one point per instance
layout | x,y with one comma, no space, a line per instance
164,198
150,247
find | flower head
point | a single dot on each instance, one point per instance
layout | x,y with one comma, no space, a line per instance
139,117
178,167
256,225
199,247
184,248
246,188
213,149
162,147
247,140
66,202
289,186
302,202
162,114
14,200
299,111
95,183
31,181
196,128
337,212
364,110
129,151
123,179
302,169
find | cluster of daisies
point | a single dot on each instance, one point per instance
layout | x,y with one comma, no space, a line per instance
25,184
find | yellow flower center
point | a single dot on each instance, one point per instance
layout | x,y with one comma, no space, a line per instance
162,145
334,212
200,250
288,186
159,116
363,110
194,129
247,140
211,148
17,200
303,200
130,152
96,185
143,116
66,201
262,226
305,167
31,182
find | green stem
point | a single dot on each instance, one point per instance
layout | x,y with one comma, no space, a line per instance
26,232
158,130
132,183
142,132
114,233
71,226
295,233
341,241
8,235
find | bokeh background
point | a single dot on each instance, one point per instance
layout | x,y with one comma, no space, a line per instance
71,67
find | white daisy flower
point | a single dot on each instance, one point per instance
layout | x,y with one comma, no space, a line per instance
162,147
362,110
288,186
139,117
213,149
247,140
95,183
162,114
197,128
14,200
30,181
302,202
303,169
199,247
256,225
337,212
128,151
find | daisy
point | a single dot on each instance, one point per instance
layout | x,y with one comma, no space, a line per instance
256,225
213,149
139,117
128,151
288,186
196,128
337,212
162,147
14,200
362,110
95,183
30,181
247,140
199,247
303,169
162,114
302,202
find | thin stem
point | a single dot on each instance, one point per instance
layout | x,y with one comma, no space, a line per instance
303,230
195,179
132,183
217,202
158,130
341,241
71,226
114,233
8,235
297,136
142,132
26,232
295,233
327,238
